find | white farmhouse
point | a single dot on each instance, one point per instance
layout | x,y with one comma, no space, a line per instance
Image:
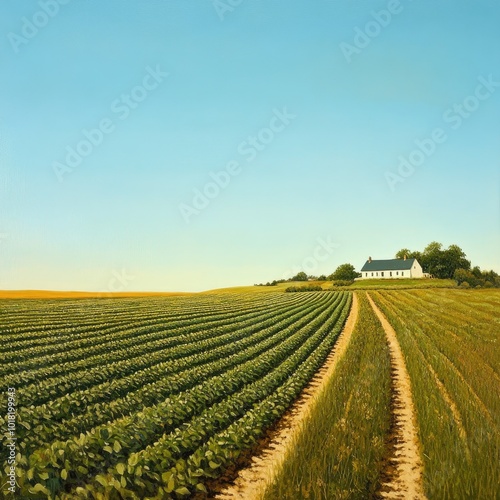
391,269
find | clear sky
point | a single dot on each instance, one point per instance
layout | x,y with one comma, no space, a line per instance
335,129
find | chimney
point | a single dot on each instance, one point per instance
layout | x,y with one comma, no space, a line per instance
369,259
405,256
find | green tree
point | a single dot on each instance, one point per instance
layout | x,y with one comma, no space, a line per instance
409,254
476,271
432,260
454,258
345,272
302,276
401,254
444,263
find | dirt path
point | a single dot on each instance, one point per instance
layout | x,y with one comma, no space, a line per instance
403,475
251,481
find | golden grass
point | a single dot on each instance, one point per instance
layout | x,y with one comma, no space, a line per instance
54,294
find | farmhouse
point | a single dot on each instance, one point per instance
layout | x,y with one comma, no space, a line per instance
391,269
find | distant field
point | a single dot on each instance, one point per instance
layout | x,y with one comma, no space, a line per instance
50,294
281,287
401,283
357,285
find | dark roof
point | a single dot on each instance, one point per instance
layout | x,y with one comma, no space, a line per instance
388,265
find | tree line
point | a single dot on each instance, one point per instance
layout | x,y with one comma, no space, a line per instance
450,263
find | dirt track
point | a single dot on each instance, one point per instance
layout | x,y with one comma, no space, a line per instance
403,474
250,483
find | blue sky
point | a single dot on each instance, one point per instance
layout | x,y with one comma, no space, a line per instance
309,104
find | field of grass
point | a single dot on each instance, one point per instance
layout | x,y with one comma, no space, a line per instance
279,288
401,283
370,284
339,449
152,397
450,341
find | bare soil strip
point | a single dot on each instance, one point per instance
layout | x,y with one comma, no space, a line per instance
251,481
403,475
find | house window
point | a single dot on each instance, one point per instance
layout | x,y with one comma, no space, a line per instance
397,273
366,275
402,273
390,273
372,274
382,273
377,274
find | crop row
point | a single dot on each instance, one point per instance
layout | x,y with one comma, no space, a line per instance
72,345
141,358
102,403
33,323
120,344
105,445
174,467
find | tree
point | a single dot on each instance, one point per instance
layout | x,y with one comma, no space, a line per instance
476,277
345,272
453,259
443,263
401,254
462,275
476,271
432,259
409,255
302,276
450,263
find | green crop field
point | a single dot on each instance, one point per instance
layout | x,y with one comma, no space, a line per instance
137,398
157,397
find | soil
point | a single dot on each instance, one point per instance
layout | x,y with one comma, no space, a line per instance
403,468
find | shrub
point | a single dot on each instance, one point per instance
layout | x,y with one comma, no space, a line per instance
307,288
342,282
